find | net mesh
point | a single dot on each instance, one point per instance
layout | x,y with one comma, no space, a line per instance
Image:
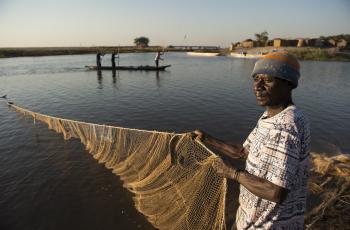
174,184
170,175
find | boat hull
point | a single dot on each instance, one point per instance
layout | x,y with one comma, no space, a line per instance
248,56
132,68
203,54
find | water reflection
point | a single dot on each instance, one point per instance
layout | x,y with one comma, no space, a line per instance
159,75
207,93
115,77
99,79
158,79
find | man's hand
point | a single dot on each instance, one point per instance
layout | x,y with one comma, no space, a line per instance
232,151
226,171
198,134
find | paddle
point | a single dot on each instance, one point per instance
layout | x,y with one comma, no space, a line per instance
118,55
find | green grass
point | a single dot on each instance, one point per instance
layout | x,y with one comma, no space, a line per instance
317,54
304,53
49,51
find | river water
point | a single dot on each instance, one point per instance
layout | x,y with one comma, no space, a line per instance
49,183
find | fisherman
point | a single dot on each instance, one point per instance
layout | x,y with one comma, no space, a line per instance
114,56
98,60
158,57
273,186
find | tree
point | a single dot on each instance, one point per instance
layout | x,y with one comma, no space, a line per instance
262,38
141,42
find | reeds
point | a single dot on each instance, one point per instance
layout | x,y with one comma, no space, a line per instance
329,187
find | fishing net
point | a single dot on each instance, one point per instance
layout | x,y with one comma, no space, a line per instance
170,175
174,184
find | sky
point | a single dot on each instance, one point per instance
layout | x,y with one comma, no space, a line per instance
46,23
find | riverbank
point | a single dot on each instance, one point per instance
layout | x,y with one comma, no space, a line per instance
52,51
305,53
302,53
319,54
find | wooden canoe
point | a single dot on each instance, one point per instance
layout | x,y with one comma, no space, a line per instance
134,68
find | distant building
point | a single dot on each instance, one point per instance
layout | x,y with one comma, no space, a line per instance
301,42
311,42
238,44
293,42
332,42
342,43
278,42
298,42
320,42
249,43
232,46
269,43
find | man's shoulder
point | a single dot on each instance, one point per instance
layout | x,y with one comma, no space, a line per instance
292,120
295,116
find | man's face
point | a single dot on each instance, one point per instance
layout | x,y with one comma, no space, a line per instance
271,91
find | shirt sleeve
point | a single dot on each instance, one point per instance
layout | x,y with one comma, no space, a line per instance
250,139
283,156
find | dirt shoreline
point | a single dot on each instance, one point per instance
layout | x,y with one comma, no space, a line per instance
302,53
53,51
314,54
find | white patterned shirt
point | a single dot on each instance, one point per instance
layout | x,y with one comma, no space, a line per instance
278,152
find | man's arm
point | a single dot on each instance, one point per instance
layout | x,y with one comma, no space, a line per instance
262,188
256,185
232,151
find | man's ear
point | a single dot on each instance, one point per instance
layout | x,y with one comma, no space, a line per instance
289,83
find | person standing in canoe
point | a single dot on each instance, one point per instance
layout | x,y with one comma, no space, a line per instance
98,60
114,56
158,57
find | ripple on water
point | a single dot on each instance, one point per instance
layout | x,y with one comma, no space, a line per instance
64,184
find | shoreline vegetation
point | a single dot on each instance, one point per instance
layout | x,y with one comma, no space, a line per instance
302,53
319,54
330,48
324,48
55,51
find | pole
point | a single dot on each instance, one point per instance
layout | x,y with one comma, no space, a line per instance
118,55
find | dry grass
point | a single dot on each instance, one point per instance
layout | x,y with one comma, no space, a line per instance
329,186
317,54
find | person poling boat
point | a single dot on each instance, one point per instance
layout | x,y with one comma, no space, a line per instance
114,56
98,60
158,57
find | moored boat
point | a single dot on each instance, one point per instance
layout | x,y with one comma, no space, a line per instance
204,54
246,55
